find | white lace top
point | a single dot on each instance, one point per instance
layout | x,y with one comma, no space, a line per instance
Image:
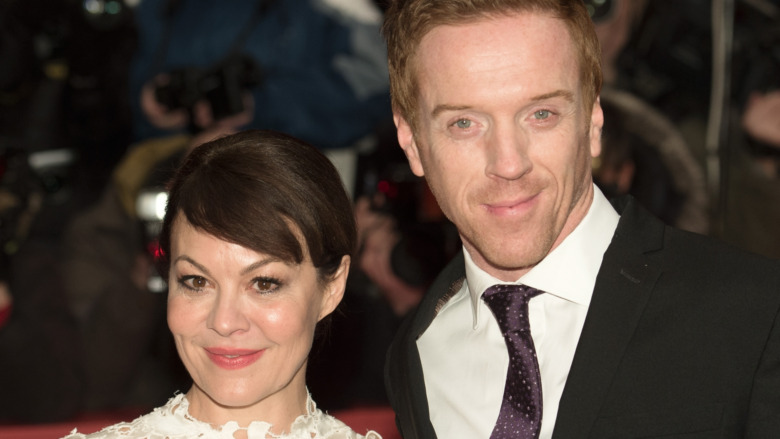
173,420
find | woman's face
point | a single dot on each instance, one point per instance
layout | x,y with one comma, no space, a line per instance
243,321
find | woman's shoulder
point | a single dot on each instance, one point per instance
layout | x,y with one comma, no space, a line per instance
168,421
328,427
319,425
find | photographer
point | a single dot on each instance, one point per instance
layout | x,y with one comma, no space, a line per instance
404,240
753,194
40,367
312,68
128,355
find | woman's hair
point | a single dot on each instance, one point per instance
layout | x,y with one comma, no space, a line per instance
263,190
407,22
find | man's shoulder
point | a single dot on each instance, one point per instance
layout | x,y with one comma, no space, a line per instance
694,255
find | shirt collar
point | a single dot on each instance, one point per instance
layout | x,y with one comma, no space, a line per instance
569,271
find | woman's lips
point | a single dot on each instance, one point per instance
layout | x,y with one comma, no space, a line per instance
233,358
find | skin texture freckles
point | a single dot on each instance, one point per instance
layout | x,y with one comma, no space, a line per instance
243,323
504,140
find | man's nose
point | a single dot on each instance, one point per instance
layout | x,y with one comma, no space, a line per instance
507,152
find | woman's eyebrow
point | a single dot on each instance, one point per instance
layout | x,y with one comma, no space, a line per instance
188,259
253,266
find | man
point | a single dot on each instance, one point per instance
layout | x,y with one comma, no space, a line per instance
639,330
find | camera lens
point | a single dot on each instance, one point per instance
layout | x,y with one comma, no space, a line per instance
599,10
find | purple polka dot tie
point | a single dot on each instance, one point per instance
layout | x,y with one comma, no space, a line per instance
521,409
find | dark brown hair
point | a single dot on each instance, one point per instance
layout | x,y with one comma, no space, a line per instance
254,189
407,22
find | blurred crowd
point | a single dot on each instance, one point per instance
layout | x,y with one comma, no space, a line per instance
99,99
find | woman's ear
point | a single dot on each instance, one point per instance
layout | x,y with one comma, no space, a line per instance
334,291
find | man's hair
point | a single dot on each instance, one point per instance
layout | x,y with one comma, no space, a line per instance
265,191
407,22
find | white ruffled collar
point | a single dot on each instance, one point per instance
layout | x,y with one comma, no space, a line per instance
173,420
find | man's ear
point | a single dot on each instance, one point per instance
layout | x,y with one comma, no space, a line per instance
408,144
596,125
334,291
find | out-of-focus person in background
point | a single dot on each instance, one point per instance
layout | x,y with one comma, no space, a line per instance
63,82
645,155
62,126
256,246
312,68
668,62
41,374
752,207
749,211
302,66
761,121
112,288
403,242
643,152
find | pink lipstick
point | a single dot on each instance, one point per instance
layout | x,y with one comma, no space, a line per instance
233,358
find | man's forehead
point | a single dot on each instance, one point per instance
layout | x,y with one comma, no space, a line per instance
521,18
484,34
517,48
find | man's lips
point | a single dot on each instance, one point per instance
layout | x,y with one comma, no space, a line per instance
228,358
511,207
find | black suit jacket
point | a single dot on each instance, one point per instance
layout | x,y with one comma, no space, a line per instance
682,339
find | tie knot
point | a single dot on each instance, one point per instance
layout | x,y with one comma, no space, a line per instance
512,292
509,304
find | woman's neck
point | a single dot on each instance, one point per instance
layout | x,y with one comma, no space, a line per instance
279,409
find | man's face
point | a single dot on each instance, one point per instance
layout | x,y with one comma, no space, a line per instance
503,139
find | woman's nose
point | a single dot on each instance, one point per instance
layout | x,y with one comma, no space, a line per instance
227,315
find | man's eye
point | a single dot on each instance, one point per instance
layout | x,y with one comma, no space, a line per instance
463,123
542,114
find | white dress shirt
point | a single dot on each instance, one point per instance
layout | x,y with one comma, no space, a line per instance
463,353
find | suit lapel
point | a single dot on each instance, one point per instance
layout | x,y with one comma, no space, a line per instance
443,288
404,375
623,286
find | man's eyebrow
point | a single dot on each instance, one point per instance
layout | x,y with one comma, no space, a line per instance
565,94
444,107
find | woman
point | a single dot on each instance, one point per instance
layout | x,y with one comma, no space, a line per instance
256,245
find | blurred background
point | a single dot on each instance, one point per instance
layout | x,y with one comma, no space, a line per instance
99,99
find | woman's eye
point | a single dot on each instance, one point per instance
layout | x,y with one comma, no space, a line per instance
463,124
194,282
541,114
266,285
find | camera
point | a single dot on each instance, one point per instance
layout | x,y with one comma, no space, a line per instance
599,10
427,241
29,181
221,86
